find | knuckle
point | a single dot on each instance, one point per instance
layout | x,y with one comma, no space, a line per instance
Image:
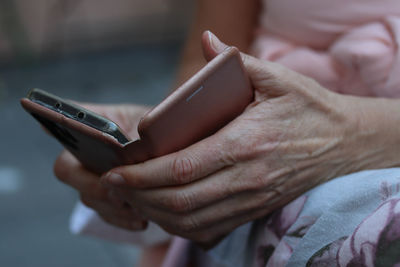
259,176
183,168
257,182
188,224
253,182
180,203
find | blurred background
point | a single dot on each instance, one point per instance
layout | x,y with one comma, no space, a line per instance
89,50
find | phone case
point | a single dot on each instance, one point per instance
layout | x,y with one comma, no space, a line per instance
205,103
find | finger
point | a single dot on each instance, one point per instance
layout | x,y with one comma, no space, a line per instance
263,74
182,167
108,209
210,215
105,207
245,177
128,224
212,222
116,200
70,171
211,45
204,192
207,238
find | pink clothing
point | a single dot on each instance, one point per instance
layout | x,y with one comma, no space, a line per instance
349,46
178,253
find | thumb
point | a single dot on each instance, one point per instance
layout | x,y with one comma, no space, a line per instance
212,46
265,76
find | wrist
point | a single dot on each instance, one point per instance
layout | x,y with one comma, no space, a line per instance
374,131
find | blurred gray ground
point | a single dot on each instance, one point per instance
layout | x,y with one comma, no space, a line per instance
34,206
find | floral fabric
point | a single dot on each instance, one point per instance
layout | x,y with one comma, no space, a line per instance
353,220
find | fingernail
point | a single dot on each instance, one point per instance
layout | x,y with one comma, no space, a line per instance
113,178
210,39
215,43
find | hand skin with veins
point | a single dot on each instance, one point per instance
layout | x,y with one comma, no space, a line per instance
293,137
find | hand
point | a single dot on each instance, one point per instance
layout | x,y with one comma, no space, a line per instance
70,171
294,136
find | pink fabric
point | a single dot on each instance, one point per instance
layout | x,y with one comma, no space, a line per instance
349,46
178,253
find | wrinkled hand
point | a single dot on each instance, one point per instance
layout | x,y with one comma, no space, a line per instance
294,136
70,171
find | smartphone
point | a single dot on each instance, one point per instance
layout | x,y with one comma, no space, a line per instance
215,95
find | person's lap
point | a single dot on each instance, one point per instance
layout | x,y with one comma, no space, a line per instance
351,219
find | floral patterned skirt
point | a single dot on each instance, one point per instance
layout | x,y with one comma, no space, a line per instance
352,220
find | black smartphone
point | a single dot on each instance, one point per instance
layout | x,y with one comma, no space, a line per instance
74,112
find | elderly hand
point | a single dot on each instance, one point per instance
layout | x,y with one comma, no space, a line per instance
294,136
70,171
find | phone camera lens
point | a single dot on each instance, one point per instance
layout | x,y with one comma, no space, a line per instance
80,115
57,105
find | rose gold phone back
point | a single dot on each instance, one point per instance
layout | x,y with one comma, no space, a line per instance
214,96
209,100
